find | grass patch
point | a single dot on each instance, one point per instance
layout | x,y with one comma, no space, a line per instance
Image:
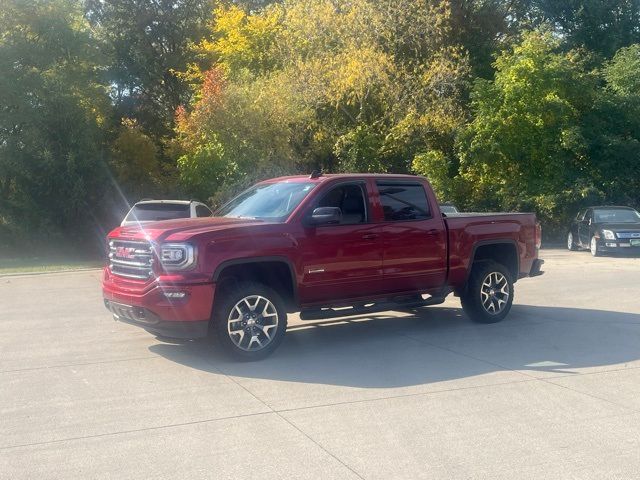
42,265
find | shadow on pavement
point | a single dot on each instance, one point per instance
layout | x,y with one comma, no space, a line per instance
432,345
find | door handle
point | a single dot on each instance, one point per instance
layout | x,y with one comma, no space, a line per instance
433,231
369,236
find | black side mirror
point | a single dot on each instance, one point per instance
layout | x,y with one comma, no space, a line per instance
326,216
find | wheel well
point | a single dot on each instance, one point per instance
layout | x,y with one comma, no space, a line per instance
274,274
502,253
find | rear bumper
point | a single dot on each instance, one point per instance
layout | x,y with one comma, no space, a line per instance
147,306
536,268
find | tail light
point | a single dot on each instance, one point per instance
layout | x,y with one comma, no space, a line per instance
538,235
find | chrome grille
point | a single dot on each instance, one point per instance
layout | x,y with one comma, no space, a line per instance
628,234
131,259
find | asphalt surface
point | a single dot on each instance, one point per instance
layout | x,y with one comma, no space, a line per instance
551,392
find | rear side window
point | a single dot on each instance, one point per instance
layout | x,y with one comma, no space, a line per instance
158,211
403,201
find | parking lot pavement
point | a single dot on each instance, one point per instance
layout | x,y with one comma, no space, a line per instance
553,391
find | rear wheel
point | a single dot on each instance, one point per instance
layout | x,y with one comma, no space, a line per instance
571,244
489,293
249,320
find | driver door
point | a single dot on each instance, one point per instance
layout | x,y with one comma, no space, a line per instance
341,261
584,228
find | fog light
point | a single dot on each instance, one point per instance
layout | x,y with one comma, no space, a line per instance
175,295
611,244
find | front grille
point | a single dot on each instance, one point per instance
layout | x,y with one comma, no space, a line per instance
628,234
131,259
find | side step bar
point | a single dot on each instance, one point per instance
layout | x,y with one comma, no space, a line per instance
333,312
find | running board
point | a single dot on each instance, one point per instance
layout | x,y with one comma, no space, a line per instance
333,312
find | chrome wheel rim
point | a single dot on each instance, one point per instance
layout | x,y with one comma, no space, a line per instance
569,241
252,323
494,293
594,246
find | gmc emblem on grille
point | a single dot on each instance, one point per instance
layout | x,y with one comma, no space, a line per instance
125,252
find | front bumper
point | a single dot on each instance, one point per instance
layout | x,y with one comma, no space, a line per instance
617,245
146,306
141,317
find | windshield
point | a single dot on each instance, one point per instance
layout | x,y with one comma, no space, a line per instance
273,201
616,215
150,212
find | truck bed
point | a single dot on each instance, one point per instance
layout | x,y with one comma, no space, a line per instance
469,231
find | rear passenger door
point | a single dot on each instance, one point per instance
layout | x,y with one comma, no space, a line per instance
414,239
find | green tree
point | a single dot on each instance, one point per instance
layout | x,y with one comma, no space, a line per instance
148,42
613,128
487,27
134,158
601,26
525,147
53,115
623,71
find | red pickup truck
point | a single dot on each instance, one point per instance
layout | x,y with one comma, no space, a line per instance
324,246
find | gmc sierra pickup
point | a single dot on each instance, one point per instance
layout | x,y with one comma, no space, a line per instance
324,246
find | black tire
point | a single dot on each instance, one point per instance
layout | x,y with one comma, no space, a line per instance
571,242
225,304
472,298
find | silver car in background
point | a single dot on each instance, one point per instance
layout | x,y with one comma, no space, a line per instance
155,210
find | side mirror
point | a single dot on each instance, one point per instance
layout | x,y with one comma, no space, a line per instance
326,216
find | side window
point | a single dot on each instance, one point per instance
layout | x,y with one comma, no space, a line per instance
350,199
580,215
403,201
588,215
202,211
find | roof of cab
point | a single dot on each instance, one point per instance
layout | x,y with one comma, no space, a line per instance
176,202
613,207
328,176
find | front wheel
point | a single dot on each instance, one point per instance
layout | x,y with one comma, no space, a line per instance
249,320
571,244
489,293
593,246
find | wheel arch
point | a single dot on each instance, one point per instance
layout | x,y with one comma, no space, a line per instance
276,272
503,251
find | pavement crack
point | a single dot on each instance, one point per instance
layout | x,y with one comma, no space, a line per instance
66,365
136,430
290,423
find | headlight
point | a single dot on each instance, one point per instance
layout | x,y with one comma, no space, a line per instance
608,234
177,256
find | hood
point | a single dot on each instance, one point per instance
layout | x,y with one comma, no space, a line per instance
181,229
619,227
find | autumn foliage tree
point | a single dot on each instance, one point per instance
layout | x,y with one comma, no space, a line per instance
317,84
